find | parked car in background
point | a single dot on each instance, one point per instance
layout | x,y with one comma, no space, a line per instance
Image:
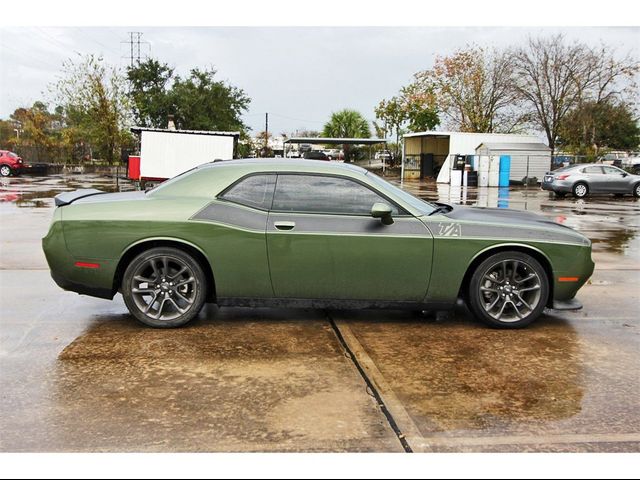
315,155
632,164
332,153
586,179
10,163
383,156
613,158
308,234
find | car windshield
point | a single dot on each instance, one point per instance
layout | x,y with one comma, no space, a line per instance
422,206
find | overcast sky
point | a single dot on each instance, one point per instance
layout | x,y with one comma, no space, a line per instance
298,75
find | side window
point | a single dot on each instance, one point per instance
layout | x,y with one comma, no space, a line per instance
324,194
612,171
592,170
255,191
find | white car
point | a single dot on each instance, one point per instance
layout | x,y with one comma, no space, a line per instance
332,153
631,163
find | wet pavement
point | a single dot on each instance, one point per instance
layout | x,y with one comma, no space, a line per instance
79,374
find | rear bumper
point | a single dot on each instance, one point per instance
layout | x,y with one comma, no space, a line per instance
571,304
557,186
82,289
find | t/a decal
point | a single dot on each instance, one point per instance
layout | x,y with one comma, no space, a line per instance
449,230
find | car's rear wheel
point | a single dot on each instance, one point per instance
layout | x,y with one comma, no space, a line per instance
580,190
5,170
636,190
508,290
164,287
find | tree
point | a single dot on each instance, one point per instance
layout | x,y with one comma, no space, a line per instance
39,129
150,83
203,103
393,115
95,105
554,77
413,108
594,126
472,88
347,124
197,101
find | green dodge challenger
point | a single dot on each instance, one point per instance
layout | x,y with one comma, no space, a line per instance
303,233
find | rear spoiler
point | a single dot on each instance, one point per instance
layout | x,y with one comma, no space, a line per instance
66,198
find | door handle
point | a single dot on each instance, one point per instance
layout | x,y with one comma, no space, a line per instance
284,225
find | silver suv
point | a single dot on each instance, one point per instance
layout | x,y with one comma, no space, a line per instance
585,179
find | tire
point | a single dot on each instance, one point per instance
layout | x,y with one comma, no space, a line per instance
504,299
5,171
636,190
580,190
164,287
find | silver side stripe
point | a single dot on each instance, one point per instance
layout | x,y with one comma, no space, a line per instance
234,215
346,224
256,220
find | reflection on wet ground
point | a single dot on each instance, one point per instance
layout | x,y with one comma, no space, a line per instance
78,374
38,192
612,223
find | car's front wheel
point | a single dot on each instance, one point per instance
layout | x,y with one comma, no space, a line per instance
164,287
5,170
508,290
636,190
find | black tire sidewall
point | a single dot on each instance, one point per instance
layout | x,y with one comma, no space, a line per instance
573,190
200,280
636,192
10,170
475,302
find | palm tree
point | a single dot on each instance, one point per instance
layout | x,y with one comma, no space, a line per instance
346,124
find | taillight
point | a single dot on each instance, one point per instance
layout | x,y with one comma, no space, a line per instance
563,177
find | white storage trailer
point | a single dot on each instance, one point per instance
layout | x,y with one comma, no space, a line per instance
167,153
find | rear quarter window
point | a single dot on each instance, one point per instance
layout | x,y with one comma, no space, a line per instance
255,191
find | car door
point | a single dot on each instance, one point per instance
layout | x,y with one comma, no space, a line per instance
616,180
323,243
596,178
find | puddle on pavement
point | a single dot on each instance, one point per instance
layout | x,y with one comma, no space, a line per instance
454,376
37,192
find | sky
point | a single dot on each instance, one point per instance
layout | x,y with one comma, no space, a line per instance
299,75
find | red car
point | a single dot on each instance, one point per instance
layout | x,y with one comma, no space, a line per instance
10,163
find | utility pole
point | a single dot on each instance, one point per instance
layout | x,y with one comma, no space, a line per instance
135,53
266,132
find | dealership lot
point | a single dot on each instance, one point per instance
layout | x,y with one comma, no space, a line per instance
79,374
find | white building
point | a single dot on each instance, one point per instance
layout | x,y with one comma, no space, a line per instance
431,154
167,153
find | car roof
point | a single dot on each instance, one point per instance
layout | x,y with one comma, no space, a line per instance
286,164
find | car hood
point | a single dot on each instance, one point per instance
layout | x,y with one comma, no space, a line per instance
501,222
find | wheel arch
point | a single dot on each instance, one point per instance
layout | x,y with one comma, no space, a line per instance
481,256
142,245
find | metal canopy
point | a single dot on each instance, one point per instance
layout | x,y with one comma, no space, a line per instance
189,132
336,141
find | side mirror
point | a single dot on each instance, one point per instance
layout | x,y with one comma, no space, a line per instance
624,174
383,212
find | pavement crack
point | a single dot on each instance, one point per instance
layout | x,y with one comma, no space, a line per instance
371,388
